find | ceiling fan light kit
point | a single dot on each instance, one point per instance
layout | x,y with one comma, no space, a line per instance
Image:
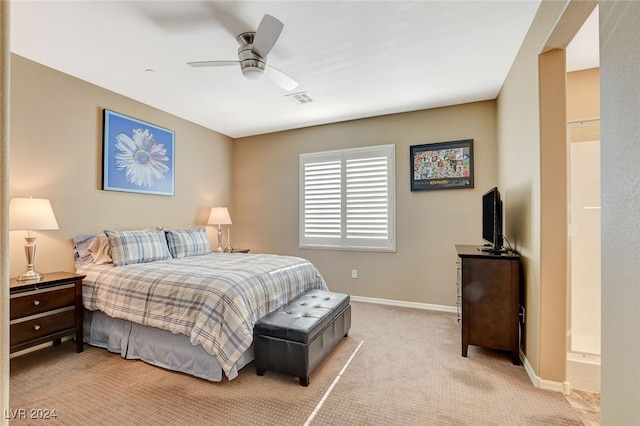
252,65
252,54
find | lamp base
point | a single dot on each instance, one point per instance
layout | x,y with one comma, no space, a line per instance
30,253
219,249
30,275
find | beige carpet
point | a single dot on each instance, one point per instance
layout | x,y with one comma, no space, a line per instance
408,371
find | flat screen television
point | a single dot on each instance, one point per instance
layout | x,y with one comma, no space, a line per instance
492,220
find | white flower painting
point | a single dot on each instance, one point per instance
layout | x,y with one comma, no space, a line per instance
141,158
138,156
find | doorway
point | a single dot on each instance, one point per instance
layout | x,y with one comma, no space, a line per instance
583,217
583,358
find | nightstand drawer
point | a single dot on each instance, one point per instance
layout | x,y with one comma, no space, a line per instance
31,328
45,310
42,300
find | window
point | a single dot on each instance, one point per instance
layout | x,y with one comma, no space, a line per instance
347,199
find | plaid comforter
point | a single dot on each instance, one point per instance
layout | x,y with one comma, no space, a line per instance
213,299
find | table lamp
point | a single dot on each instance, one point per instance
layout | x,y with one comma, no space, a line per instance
31,214
219,216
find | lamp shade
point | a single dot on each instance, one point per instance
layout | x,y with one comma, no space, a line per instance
219,216
31,214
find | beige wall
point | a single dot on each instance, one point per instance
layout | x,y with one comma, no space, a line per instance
56,153
553,215
583,103
519,164
429,223
583,94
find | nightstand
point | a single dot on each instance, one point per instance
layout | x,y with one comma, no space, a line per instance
46,310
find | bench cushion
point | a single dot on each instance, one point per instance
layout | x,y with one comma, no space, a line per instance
303,318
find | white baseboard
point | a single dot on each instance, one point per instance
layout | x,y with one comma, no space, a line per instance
403,304
545,384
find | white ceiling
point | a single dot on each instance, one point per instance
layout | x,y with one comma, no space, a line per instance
584,50
354,58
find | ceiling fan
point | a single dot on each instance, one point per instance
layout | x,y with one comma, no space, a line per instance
252,54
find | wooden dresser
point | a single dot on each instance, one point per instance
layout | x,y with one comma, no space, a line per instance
489,292
46,310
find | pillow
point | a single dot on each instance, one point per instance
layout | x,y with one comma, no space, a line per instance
81,255
143,246
100,250
188,242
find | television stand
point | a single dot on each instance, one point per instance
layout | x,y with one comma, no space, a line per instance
489,291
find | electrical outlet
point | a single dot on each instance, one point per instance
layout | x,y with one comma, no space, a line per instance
354,273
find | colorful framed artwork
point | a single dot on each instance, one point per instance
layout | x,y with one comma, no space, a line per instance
137,156
443,165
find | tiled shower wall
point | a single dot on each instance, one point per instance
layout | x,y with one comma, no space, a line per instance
584,357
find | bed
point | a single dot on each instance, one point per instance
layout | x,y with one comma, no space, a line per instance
163,297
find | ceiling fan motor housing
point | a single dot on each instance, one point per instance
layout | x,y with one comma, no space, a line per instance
253,66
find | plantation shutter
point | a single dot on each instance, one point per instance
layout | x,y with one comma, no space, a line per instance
367,196
322,199
347,199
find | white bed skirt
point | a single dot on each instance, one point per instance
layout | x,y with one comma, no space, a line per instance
154,346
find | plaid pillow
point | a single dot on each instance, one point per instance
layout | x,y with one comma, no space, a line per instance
129,247
188,242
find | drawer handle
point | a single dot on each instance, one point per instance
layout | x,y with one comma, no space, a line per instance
36,328
36,302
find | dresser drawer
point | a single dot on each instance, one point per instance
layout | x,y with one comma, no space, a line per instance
43,300
42,325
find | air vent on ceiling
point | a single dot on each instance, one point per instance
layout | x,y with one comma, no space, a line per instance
300,98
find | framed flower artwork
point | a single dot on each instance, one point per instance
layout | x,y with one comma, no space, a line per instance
137,156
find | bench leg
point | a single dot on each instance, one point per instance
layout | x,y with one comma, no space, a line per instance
261,371
304,381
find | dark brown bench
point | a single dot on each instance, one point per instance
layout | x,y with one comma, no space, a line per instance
295,338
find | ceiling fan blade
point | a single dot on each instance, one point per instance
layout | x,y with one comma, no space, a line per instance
280,79
213,63
268,32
